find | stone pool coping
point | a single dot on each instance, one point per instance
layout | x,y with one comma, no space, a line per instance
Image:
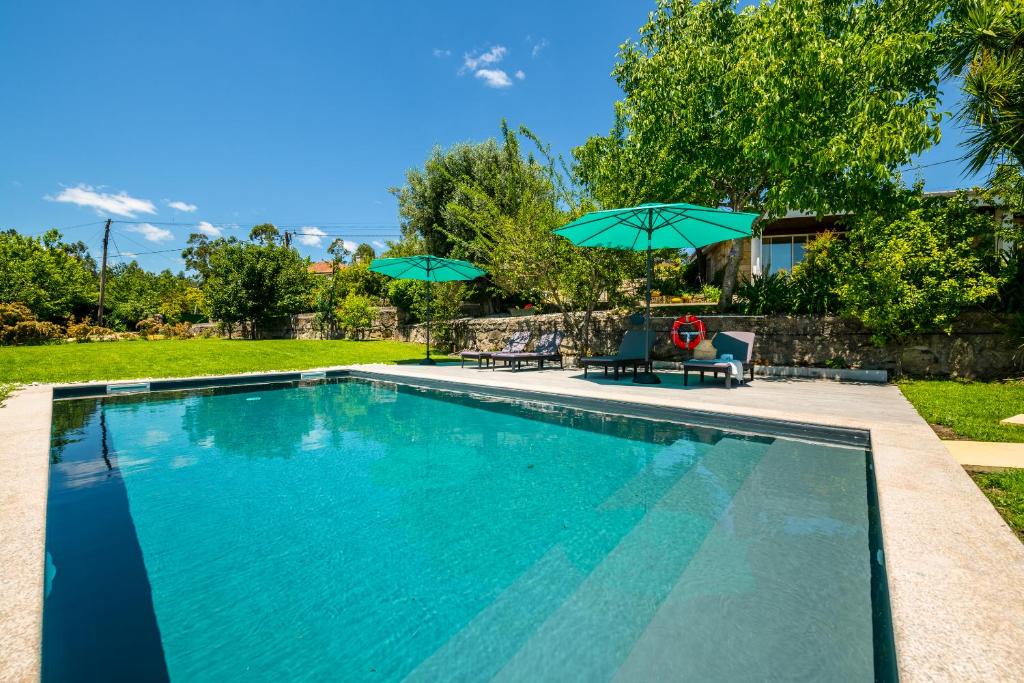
955,570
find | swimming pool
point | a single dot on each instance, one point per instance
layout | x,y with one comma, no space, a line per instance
354,530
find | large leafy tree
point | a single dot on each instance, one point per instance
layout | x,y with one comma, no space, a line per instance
55,279
426,199
805,104
134,294
521,253
250,282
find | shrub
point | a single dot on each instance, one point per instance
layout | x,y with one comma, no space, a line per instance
14,313
357,312
765,294
814,284
30,332
917,271
711,293
149,327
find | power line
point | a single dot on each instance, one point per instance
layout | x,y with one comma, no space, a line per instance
934,163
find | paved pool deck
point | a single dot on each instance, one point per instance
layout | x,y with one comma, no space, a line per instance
955,570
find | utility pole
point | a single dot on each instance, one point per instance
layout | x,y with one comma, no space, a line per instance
287,239
103,273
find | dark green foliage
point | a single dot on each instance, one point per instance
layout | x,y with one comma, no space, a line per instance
250,283
765,294
53,278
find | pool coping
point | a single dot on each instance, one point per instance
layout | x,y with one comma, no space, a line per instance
955,570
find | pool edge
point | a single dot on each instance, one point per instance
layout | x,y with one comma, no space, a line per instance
25,424
955,571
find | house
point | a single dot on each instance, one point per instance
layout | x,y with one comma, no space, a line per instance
782,241
322,268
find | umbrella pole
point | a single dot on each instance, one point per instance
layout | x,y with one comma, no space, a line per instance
427,360
648,377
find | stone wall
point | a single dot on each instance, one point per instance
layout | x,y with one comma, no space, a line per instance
975,349
303,326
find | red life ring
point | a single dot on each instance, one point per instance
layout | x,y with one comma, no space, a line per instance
688,340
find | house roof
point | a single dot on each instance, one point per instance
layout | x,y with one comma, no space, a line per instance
321,268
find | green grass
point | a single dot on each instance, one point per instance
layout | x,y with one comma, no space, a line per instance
184,358
1006,491
971,409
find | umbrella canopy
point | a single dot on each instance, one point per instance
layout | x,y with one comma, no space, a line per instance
428,269
656,226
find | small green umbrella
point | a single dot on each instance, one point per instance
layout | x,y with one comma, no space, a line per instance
656,226
428,269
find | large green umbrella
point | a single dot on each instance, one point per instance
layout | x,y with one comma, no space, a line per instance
428,269
656,226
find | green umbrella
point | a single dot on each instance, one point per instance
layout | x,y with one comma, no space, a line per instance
656,226
429,269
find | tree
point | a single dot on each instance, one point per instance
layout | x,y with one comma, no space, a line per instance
252,282
915,268
803,104
364,253
425,201
990,54
55,279
521,253
329,290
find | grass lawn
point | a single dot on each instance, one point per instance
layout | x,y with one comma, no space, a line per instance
189,357
1006,491
971,409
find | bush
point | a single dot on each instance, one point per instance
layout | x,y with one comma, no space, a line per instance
149,327
30,332
814,284
13,313
357,312
765,294
711,293
916,271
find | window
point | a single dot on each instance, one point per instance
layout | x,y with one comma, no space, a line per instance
782,253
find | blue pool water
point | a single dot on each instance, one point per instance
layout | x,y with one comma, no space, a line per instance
364,531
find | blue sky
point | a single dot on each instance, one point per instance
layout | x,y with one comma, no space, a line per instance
297,113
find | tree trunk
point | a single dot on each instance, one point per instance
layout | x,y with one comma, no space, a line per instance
732,269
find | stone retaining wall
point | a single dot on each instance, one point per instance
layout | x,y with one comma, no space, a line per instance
977,348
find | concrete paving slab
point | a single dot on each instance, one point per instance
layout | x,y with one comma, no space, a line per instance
24,477
986,453
1015,420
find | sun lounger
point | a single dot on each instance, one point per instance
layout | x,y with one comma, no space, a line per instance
515,344
631,354
739,345
545,350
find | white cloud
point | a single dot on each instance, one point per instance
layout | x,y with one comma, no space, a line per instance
182,206
539,46
310,236
379,244
494,78
209,229
438,52
521,75
350,246
492,56
151,232
120,204
129,254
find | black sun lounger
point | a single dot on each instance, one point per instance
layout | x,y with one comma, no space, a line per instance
631,354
